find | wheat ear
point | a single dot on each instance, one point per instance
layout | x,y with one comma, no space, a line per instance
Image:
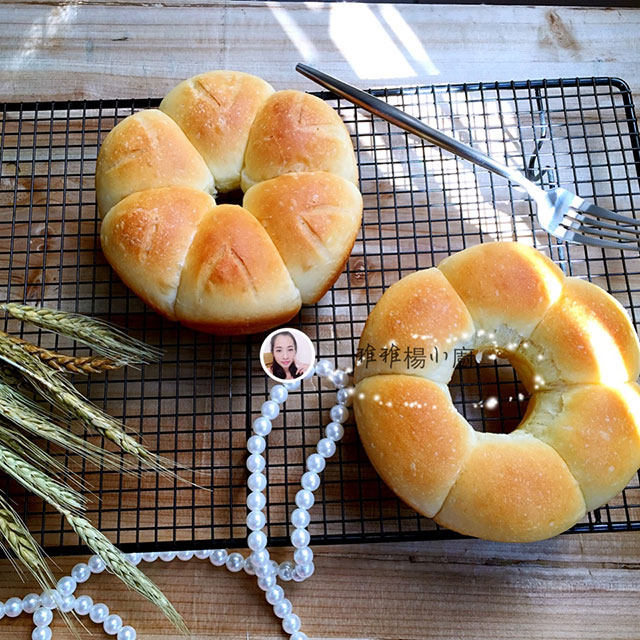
30,451
26,414
123,569
100,336
62,362
50,490
20,541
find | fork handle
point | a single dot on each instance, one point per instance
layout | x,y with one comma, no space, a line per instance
403,120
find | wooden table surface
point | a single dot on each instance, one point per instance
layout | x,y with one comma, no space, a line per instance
569,587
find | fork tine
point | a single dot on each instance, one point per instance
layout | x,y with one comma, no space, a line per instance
600,228
587,207
571,235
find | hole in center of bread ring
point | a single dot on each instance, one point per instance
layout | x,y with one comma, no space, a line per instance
487,391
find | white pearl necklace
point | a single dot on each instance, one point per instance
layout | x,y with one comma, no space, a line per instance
258,563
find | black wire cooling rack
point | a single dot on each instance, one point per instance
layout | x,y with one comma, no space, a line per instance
197,405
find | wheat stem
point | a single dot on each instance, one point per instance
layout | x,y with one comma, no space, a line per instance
100,336
123,569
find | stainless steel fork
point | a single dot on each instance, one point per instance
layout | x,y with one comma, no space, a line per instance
560,212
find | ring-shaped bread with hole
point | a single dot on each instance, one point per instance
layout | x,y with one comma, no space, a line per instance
575,350
229,269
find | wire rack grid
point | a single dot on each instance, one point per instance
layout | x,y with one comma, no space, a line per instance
197,404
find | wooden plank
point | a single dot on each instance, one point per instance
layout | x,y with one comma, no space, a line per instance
124,49
573,587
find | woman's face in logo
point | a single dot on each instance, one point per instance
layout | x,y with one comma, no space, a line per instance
284,351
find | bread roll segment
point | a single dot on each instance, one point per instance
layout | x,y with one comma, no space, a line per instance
297,132
512,488
585,337
414,437
147,150
234,280
313,219
424,322
146,238
595,429
576,350
507,288
215,110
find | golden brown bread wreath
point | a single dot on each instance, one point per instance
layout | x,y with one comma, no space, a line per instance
577,353
221,268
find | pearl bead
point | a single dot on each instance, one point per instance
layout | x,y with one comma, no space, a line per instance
315,462
256,444
300,518
248,569
345,396
202,554
257,481
49,599
282,608
310,481
264,570
339,413
266,582
299,635
167,556
292,385
235,562
300,538
67,603
185,555
83,605
255,462
218,557
256,501
98,613
126,633
13,607
257,540
96,564
42,617
262,426
150,556
41,633
81,573
30,602
304,499
134,558
279,394
256,520
326,447
324,368
305,570
291,623
112,624
270,410
66,586
340,378
304,555
285,571
1,610
259,558
274,595
334,431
